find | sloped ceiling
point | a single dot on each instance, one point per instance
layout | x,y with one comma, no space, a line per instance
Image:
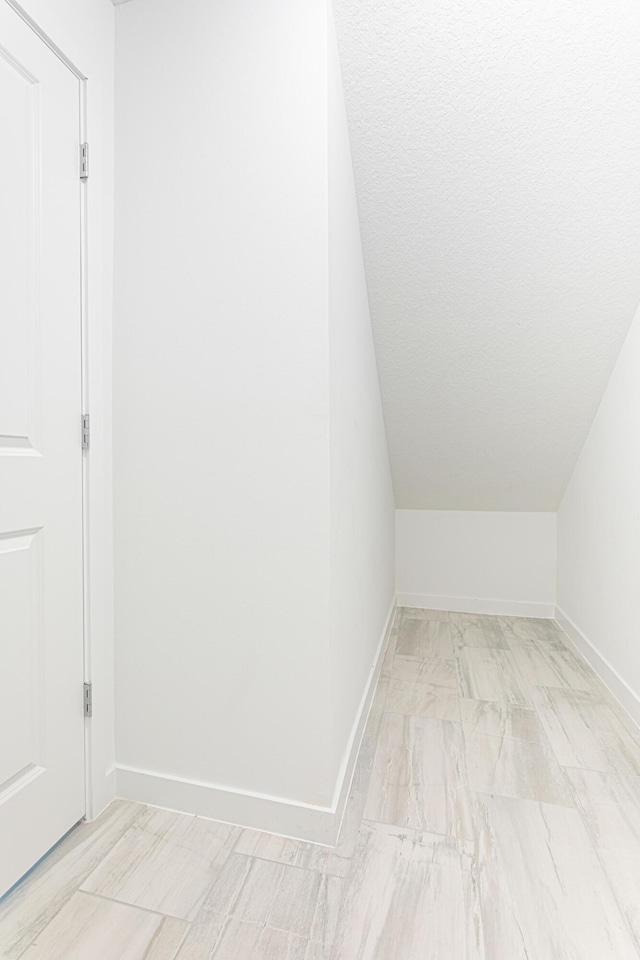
496,149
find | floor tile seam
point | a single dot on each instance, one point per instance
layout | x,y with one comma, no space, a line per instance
267,924
609,769
83,875
422,716
156,842
506,703
64,903
216,865
430,662
605,773
417,716
431,833
74,890
406,616
263,925
425,683
136,906
500,736
480,646
410,659
295,866
510,796
406,656
158,934
97,896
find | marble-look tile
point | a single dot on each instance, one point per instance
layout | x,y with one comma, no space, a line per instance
626,720
419,778
303,902
515,768
585,732
417,613
296,853
424,639
529,628
437,672
473,618
90,928
34,903
501,720
394,904
290,905
543,891
487,674
203,935
317,951
610,805
240,939
547,870
545,665
479,633
423,700
165,862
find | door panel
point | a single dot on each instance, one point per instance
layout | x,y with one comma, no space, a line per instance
20,693
41,621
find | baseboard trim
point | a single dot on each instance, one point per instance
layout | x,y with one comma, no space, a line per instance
504,608
620,689
348,765
278,815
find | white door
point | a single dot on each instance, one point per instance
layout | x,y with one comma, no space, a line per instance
41,639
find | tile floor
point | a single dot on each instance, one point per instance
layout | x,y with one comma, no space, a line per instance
494,815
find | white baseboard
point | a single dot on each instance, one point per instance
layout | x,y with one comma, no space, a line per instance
259,811
348,765
279,815
503,608
620,689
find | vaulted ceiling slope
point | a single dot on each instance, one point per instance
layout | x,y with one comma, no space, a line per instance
496,150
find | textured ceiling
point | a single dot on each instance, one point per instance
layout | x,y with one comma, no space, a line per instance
497,156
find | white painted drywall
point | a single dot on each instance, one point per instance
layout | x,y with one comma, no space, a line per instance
224,468
362,506
481,562
84,32
496,154
599,531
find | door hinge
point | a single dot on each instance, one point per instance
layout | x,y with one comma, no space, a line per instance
88,700
84,161
86,431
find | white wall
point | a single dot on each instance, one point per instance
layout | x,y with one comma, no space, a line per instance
362,504
227,685
84,32
481,562
599,534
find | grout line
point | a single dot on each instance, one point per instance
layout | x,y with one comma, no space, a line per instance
134,906
285,863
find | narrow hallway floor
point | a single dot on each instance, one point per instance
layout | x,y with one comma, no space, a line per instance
494,815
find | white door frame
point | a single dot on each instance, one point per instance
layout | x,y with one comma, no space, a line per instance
98,739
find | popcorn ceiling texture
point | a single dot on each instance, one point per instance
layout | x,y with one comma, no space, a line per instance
496,149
